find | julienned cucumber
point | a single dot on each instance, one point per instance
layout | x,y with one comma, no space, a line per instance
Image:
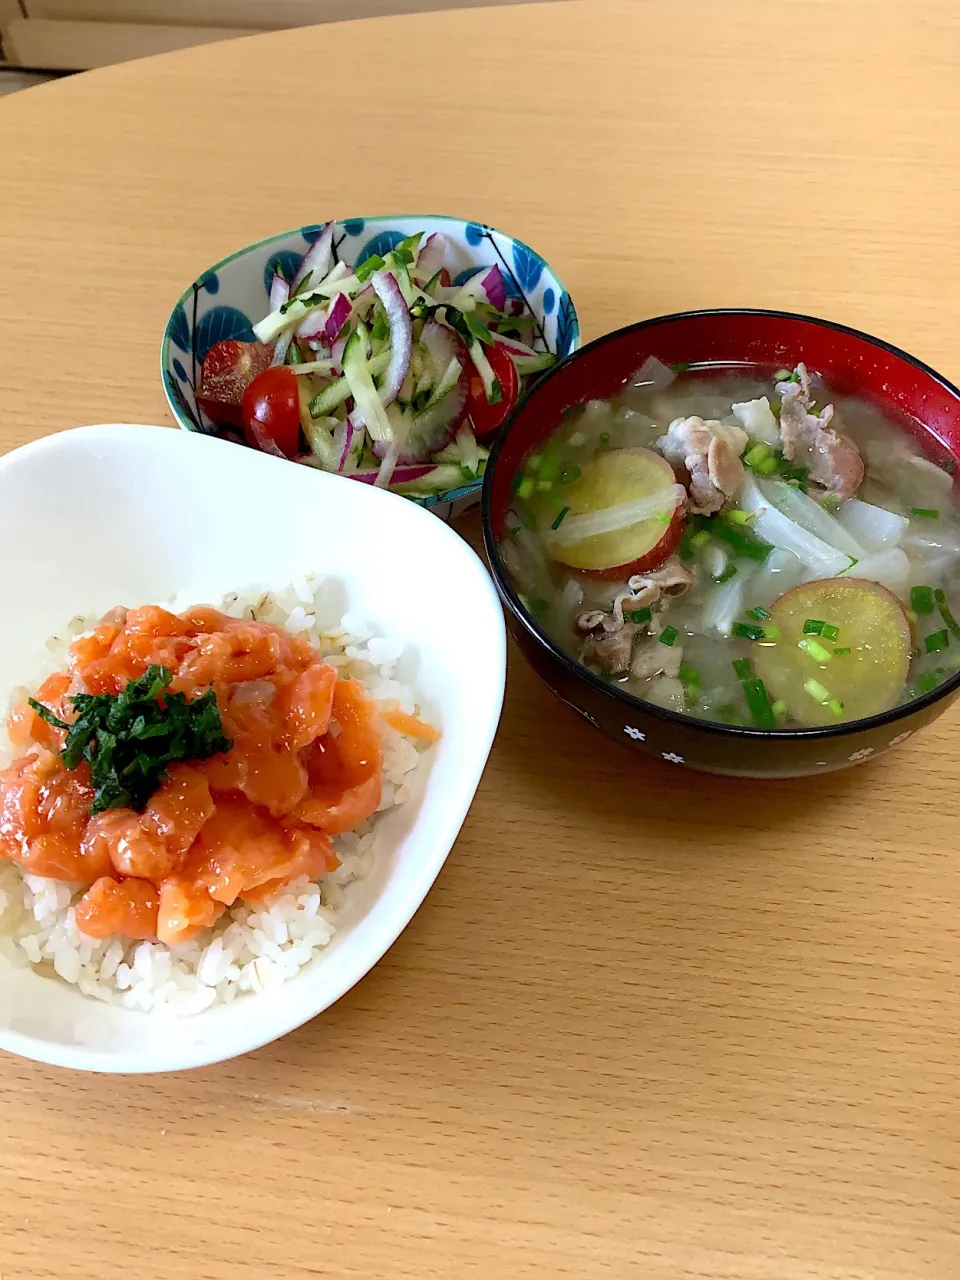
439,480
358,376
331,397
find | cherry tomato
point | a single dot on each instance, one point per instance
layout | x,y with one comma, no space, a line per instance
271,412
227,371
488,417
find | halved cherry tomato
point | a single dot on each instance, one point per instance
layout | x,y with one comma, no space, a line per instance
488,417
271,412
227,371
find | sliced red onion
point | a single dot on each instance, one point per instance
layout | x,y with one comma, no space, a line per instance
363,301
316,261
338,313
401,474
433,429
486,285
401,334
336,354
514,346
388,466
344,437
440,344
279,291
431,256
313,323
281,349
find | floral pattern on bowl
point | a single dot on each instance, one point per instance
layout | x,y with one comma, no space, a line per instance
228,299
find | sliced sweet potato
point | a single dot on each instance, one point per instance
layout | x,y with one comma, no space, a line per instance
824,678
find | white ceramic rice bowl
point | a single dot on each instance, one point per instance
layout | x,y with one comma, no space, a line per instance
133,514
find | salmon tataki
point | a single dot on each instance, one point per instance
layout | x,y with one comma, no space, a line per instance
186,767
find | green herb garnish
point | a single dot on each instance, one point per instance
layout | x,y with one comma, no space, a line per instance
940,599
669,635
742,668
925,513
921,599
640,615
561,516
937,640
128,739
758,701
729,572
829,631
748,631
758,614
813,627
837,653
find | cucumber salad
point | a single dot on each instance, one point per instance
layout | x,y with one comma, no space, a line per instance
387,371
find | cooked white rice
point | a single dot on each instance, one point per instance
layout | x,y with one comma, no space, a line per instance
251,948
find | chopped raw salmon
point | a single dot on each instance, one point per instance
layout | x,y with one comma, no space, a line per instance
412,726
304,764
125,907
186,909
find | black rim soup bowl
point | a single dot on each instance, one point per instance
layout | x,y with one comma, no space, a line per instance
851,363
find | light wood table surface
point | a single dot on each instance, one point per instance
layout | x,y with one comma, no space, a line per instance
647,1024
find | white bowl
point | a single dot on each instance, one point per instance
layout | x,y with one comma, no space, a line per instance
129,514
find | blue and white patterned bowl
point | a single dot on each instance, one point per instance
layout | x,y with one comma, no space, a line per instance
228,299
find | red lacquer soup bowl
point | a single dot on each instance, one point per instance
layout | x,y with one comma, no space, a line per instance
851,363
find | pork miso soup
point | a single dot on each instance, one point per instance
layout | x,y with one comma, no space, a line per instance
745,547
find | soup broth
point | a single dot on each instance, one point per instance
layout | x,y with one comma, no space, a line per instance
742,546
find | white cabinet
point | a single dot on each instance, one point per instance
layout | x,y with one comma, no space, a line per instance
76,34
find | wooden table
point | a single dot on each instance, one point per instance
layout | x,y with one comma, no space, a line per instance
647,1024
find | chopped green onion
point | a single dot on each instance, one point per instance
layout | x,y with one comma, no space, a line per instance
927,681
937,640
748,631
682,367
570,473
544,485
949,466
779,708
640,615
604,437
813,627
368,267
758,702
729,572
782,375
814,649
830,501
662,519
513,530
758,613
757,454
816,690
685,552
914,652
921,599
690,675
766,466
561,516
729,713
736,516
941,601
836,706
526,487
742,541
669,635
533,462
829,631
516,482
839,652
771,633
700,539
742,668
912,615
925,513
